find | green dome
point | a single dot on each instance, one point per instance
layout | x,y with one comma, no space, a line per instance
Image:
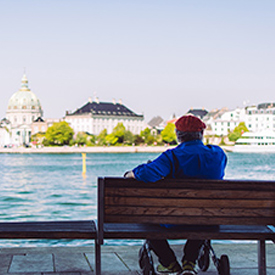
24,98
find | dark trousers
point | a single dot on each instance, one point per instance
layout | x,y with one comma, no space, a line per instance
166,255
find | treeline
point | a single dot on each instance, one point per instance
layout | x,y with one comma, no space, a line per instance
60,134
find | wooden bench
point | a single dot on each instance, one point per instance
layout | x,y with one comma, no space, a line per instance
241,210
49,230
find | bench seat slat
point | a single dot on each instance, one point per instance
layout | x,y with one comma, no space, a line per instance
187,202
156,192
222,232
48,230
187,211
190,220
198,184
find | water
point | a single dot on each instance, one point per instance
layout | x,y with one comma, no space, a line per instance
52,187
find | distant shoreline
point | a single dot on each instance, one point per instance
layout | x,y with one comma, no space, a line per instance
94,149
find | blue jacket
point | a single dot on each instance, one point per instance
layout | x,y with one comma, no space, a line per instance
191,159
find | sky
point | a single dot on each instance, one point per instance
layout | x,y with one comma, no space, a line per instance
160,57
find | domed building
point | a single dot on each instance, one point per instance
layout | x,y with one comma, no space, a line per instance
23,108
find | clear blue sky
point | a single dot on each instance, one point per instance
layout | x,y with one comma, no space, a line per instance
160,57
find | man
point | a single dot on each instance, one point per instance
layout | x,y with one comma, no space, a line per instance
190,159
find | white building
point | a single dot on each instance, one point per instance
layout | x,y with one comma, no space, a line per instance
223,121
5,132
95,116
257,118
23,108
261,117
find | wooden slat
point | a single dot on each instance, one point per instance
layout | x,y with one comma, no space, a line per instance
189,202
193,183
187,211
149,231
190,220
48,230
188,193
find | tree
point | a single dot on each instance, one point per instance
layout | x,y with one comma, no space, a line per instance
237,132
147,137
111,139
129,138
100,139
119,132
59,134
168,134
81,138
38,138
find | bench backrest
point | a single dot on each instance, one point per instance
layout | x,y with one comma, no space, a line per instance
170,201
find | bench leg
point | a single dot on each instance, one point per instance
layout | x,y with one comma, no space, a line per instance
261,257
98,258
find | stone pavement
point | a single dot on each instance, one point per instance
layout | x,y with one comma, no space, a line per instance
117,260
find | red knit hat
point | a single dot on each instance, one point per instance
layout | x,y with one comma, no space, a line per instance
190,123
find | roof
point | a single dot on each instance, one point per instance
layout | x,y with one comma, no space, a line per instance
5,121
24,98
39,119
266,105
105,109
198,112
155,121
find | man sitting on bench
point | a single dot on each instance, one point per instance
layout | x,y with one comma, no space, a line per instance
190,159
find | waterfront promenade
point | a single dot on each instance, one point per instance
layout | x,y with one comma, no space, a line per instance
92,149
117,260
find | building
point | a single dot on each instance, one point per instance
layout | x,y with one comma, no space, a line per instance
5,132
23,108
223,121
260,117
95,116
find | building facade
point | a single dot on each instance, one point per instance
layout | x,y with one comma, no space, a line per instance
23,108
95,116
257,118
261,117
224,121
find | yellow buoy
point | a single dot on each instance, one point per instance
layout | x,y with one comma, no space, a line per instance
83,163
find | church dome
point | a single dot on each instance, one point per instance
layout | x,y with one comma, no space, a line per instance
24,98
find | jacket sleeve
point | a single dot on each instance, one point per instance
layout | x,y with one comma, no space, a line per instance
155,170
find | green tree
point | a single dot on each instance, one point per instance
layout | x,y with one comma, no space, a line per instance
147,137
168,134
119,132
138,139
111,139
38,138
237,132
59,134
129,138
81,138
100,139
91,140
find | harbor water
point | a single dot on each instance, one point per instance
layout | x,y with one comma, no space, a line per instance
52,187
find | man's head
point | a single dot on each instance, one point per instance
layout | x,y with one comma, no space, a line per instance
189,127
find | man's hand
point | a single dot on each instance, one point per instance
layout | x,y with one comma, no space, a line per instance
129,174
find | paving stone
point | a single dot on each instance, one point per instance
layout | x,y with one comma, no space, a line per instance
32,263
5,261
110,262
71,262
119,260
